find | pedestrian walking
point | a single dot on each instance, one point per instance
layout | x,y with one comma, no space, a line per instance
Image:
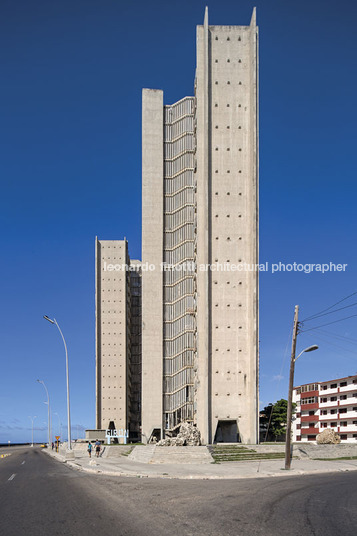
97,448
90,446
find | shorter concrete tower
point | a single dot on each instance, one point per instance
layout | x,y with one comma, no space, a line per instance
118,334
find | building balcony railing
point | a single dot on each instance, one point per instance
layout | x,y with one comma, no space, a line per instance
341,417
352,428
348,388
342,404
310,431
349,402
329,404
339,391
308,394
309,418
306,407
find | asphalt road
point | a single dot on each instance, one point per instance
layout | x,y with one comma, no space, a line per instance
41,496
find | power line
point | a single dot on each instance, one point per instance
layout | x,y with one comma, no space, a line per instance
326,341
327,324
330,313
337,336
328,308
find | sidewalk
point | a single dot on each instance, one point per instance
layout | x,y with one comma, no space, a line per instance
232,470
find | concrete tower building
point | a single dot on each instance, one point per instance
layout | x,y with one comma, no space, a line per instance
200,236
118,338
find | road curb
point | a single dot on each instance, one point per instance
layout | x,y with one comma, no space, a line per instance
283,473
125,474
55,455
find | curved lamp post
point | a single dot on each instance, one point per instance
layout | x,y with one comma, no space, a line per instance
69,447
49,412
290,400
32,420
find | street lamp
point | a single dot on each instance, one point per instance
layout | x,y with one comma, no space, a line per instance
309,349
32,420
290,400
49,413
69,448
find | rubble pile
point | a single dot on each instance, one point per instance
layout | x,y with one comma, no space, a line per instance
188,435
328,437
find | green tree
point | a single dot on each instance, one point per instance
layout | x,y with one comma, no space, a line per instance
273,418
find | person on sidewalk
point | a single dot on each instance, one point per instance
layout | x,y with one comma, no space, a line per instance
90,449
97,448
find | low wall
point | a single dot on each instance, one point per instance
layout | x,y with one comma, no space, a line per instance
312,451
266,448
307,450
93,435
115,451
166,455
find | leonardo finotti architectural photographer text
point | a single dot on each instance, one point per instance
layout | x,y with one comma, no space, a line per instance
306,268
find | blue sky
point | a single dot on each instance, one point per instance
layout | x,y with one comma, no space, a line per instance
70,168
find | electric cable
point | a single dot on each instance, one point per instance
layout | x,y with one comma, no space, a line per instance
327,324
331,307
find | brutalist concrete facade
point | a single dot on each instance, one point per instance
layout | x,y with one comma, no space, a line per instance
200,244
118,338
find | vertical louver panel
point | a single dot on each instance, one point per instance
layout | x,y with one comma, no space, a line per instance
180,258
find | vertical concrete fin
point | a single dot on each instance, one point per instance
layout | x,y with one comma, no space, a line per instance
98,415
152,253
254,140
205,20
253,20
202,92
207,191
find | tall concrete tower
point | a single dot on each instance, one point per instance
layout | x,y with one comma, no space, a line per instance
200,245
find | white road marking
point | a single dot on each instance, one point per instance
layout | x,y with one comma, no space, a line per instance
12,477
23,462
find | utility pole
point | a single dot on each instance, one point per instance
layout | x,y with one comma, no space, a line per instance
291,386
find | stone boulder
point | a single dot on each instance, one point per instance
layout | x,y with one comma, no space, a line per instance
164,442
188,435
328,437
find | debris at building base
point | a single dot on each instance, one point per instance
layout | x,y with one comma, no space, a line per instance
328,437
188,435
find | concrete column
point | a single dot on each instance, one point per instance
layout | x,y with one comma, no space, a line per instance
203,384
227,230
253,288
152,256
98,413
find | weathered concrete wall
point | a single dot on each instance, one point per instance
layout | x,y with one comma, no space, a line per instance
112,351
326,451
203,174
227,228
152,253
175,455
310,450
226,366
